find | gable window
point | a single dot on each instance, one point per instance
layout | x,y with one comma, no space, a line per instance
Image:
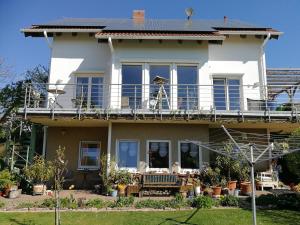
161,71
189,155
89,92
89,155
131,86
187,87
226,94
127,152
158,154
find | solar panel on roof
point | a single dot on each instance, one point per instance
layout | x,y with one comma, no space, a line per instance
152,24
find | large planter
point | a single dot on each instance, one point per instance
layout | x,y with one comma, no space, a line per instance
38,189
231,185
217,191
246,188
114,193
121,189
197,190
15,193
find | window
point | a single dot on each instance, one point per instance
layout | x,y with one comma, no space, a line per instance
132,86
89,92
187,87
162,71
127,154
89,154
159,153
189,155
226,94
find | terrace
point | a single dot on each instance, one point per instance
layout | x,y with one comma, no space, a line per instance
226,98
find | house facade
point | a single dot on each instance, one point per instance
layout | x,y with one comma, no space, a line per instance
137,89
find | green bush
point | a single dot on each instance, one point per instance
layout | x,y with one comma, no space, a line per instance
289,201
229,200
68,203
149,203
22,205
48,203
266,200
122,202
96,203
204,202
178,202
2,204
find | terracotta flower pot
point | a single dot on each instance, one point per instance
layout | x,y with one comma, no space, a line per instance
246,188
231,185
217,191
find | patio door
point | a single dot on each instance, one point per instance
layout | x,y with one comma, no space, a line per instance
89,92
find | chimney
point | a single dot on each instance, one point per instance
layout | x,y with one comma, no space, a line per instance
138,16
225,19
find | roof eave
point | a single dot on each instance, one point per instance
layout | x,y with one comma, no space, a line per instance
249,32
160,37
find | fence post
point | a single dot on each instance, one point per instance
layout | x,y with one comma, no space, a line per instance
27,156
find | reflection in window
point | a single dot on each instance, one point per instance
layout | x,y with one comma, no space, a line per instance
187,87
89,155
158,154
97,92
227,94
82,92
89,92
131,86
127,154
162,71
189,156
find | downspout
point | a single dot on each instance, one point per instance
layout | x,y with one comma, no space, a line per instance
46,37
263,68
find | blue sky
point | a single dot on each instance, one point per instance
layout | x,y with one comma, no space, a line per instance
22,53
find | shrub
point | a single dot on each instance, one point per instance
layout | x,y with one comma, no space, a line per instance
229,200
289,201
149,203
48,203
177,202
2,204
203,202
6,179
69,203
267,200
122,202
96,203
22,205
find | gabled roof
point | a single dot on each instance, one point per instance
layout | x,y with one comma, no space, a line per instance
147,25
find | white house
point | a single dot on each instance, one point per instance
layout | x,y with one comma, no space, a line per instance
104,96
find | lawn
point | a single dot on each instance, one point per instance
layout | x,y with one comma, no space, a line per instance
201,217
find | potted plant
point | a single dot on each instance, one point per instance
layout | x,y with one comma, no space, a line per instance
229,165
7,182
215,180
123,178
245,185
38,173
197,186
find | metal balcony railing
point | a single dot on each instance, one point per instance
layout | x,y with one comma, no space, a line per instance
53,98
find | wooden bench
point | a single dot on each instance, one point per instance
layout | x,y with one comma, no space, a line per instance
159,181
267,179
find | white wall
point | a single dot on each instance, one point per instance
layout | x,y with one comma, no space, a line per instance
236,57
72,55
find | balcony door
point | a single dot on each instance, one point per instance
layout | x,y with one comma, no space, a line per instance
131,86
89,92
227,94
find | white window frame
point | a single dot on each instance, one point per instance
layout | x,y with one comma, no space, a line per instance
185,170
130,169
173,64
79,166
90,76
226,78
159,170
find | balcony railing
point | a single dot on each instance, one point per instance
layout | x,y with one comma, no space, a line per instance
137,98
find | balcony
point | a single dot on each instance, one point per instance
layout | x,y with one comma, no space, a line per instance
186,100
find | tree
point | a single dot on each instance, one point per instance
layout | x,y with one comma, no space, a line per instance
12,96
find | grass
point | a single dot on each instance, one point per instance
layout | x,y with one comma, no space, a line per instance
189,217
